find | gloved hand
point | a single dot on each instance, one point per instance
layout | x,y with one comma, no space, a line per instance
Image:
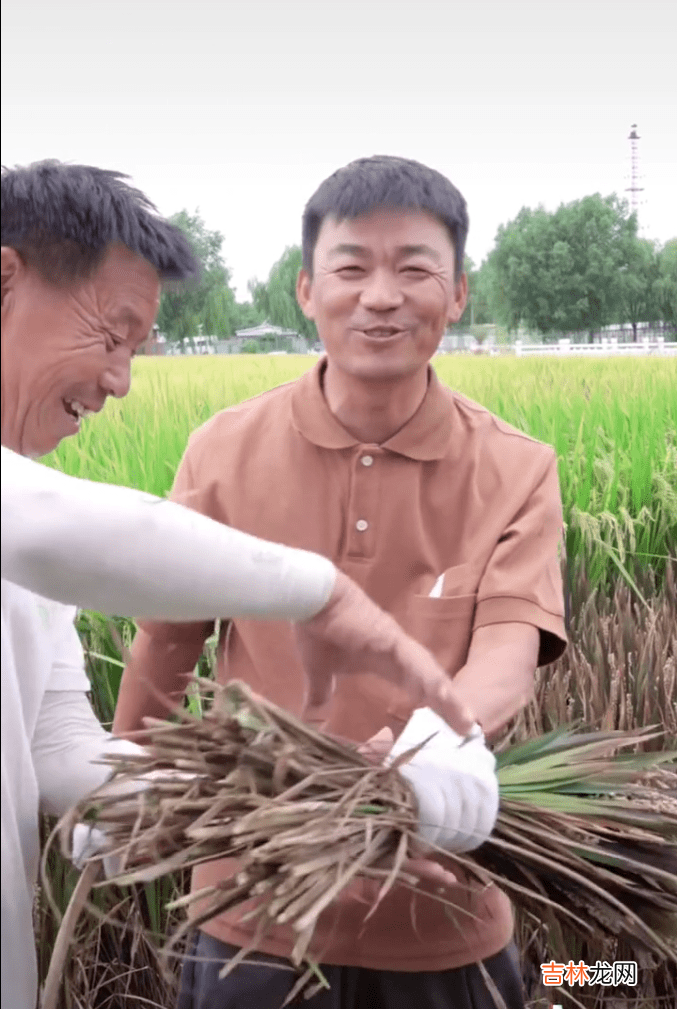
454,780
88,840
86,843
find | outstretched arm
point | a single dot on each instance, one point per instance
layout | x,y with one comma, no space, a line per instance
121,551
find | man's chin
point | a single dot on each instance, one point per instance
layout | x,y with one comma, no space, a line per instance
382,369
39,447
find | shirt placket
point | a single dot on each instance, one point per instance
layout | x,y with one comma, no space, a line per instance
364,502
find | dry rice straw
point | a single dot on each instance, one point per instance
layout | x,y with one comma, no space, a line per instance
304,814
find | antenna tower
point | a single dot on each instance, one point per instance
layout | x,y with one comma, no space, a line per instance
634,188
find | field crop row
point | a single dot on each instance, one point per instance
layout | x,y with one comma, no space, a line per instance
612,422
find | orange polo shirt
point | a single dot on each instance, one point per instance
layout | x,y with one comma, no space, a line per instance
456,492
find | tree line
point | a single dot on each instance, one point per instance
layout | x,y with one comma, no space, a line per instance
573,270
210,305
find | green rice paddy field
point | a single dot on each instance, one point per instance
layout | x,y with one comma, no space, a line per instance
613,423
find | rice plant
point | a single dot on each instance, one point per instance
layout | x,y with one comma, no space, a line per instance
613,424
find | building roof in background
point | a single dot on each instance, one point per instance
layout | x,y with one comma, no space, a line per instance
265,329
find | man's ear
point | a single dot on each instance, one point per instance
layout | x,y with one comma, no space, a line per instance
460,299
13,267
304,294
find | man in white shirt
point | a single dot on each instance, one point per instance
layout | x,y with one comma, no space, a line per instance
83,258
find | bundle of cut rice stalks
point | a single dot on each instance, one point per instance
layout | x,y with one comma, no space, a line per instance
585,834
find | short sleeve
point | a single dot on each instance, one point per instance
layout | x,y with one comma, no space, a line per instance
186,490
522,581
68,661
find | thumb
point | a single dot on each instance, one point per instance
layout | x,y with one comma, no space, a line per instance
384,737
378,746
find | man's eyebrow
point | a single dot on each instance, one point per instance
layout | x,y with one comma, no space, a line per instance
402,251
420,250
125,316
345,249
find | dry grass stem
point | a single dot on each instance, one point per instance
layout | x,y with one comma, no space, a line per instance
582,831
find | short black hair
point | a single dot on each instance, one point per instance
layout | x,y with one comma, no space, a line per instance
62,219
384,181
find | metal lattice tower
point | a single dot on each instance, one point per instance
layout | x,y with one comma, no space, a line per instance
634,188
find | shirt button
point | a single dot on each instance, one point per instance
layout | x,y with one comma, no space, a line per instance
367,460
361,525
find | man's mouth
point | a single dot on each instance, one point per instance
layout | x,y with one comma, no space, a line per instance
382,332
76,409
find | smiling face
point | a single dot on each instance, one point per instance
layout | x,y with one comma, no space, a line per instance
64,350
382,292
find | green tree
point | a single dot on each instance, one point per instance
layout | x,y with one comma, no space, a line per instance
478,310
665,285
637,294
561,271
207,305
276,298
247,315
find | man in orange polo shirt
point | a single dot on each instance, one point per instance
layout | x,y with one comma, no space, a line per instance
449,518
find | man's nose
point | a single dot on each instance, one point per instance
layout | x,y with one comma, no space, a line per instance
117,378
381,291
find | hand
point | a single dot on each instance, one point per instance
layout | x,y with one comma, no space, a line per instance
377,749
353,635
88,841
454,780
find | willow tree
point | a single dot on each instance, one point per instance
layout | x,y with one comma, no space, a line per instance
276,297
207,305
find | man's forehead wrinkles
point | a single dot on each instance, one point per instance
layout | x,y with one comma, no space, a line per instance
123,307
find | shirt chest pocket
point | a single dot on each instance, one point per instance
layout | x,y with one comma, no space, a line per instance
444,626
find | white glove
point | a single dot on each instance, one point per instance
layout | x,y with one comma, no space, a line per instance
456,785
86,843
89,840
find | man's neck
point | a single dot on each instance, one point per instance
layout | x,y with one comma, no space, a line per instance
373,411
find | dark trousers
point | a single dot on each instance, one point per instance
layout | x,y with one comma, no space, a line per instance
257,986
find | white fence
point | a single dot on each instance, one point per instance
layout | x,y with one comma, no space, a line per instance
607,345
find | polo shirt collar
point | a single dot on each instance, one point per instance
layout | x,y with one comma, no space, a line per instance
425,437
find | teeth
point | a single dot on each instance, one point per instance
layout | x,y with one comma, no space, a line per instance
78,408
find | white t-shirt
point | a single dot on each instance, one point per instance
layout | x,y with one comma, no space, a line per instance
40,652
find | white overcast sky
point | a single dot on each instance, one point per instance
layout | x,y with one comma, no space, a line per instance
242,108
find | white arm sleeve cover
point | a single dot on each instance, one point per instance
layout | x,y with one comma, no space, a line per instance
455,782
68,738
127,553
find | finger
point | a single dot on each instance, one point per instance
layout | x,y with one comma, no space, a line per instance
317,702
319,688
379,746
429,686
430,871
444,702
